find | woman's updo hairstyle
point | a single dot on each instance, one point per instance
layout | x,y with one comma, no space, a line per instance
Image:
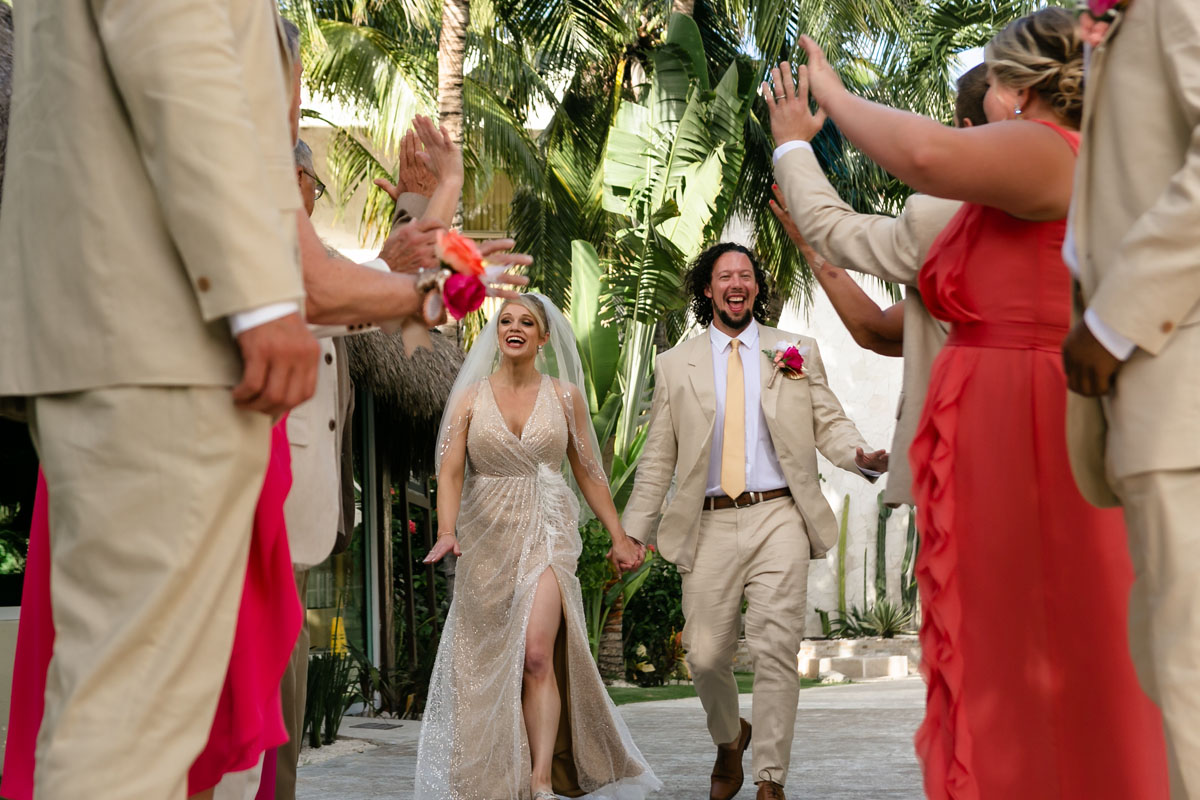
534,306
1042,52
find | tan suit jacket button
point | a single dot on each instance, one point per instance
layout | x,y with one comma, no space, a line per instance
1167,327
203,284
332,425
329,358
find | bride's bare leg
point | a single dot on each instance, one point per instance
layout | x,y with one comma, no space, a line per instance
540,689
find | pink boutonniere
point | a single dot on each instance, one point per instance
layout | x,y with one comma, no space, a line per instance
1096,17
788,360
461,279
1099,8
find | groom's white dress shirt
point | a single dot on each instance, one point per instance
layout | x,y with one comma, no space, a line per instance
763,472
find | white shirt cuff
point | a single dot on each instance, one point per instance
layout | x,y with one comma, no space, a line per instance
377,264
1113,342
870,473
243,321
788,147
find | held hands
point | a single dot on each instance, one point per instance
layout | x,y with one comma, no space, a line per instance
446,543
1090,368
876,462
626,554
280,366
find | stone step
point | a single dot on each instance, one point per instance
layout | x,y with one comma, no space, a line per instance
856,667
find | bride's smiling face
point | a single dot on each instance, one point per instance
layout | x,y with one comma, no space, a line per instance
519,333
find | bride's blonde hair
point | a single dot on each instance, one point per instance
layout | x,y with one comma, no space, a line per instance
534,306
1042,52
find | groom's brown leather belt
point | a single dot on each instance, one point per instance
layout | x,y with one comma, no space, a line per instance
744,499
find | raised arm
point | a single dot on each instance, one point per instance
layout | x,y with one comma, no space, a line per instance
873,328
184,90
1026,170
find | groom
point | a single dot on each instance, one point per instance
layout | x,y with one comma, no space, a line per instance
740,438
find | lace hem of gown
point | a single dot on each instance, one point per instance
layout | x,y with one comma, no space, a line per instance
943,741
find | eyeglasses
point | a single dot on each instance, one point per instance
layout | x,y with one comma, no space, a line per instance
320,187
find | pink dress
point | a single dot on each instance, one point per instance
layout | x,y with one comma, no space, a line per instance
249,717
1024,585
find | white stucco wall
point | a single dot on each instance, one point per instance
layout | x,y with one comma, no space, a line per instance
868,386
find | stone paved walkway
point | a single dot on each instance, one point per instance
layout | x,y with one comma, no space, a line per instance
852,743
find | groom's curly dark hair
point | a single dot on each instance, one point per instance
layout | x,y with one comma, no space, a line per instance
699,277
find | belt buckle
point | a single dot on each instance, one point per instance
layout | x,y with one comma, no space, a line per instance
734,501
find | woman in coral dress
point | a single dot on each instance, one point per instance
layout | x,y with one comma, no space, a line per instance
249,718
1024,586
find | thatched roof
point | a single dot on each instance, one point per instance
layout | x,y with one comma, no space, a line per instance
410,392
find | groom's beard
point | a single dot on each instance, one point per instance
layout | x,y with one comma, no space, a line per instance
736,323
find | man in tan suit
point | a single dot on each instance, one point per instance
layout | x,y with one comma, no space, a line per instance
1135,249
142,281
890,248
740,438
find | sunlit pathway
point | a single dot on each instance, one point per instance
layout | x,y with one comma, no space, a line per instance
852,742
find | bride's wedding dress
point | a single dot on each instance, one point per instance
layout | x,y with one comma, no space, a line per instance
518,517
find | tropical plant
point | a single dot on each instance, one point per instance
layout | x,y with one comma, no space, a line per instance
328,696
653,628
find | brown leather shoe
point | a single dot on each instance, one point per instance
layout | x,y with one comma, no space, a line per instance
768,790
727,775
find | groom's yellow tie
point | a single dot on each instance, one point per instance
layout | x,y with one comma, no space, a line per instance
733,441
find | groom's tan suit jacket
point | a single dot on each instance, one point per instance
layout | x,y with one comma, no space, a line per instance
175,210
802,416
1136,221
892,249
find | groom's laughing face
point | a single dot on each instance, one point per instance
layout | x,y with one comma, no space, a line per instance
733,289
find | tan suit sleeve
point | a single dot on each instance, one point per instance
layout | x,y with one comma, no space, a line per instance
890,248
1155,280
410,206
836,435
656,467
218,183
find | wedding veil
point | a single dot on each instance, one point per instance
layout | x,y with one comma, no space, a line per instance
559,359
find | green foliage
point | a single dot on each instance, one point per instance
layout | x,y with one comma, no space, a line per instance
881,618
908,578
881,546
841,554
14,544
654,626
329,678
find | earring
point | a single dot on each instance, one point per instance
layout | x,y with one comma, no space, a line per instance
1018,111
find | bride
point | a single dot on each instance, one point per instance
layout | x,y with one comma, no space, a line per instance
516,706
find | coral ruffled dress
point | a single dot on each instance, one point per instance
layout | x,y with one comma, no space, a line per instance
249,717
1031,689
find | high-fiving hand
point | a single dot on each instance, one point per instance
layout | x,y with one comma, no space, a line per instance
787,95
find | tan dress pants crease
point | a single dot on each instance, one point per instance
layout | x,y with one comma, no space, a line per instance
294,691
1161,509
151,501
761,552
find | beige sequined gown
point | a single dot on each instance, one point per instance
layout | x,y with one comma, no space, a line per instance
518,517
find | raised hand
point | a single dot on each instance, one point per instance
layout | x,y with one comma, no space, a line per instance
410,247
823,81
280,366
499,261
876,462
787,104
441,155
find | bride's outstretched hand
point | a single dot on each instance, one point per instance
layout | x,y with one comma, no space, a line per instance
446,543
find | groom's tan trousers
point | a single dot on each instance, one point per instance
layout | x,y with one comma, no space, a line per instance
1162,510
152,494
761,552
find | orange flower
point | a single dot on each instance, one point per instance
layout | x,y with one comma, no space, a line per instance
459,253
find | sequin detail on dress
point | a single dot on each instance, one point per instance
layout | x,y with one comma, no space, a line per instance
517,518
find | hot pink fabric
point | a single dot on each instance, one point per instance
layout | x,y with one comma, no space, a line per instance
249,717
